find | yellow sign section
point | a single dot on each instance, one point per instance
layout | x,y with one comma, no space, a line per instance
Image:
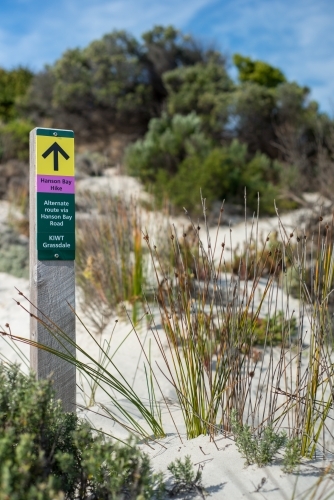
55,155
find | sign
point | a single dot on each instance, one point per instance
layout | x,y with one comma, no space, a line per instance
55,194
52,253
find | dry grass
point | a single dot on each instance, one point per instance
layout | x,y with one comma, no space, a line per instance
210,317
109,263
18,198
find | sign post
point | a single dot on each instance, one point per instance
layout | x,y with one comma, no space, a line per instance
52,254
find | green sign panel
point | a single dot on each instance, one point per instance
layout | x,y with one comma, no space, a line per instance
55,226
55,213
56,246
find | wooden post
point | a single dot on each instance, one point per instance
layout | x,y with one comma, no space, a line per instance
52,254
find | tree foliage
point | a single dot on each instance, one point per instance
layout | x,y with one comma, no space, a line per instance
178,160
96,87
113,82
14,139
165,49
13,84
205,88
168,142
180,94
257,72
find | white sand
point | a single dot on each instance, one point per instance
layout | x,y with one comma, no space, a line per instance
224,472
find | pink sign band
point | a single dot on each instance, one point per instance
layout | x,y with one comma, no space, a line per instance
55,184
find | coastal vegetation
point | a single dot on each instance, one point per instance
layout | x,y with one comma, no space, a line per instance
248,330
167,110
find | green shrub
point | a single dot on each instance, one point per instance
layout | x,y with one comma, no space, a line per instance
14,140
260,450
272,329
13,85
166,144
179,160
186,480
14,260
49,454
223,174
292,454
204,87
259,72
14,254
211,175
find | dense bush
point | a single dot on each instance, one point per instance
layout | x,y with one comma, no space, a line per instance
179,159
14,259
223,174
122,85
258,72
114,81
204,88
14,140
48,454
168,142
13,84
